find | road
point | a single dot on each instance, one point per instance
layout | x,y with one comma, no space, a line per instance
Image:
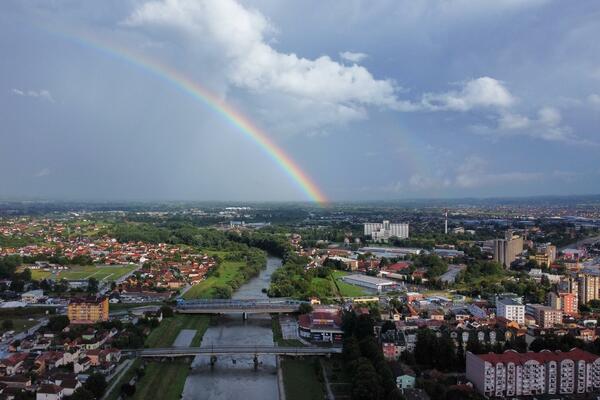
116,377
234,350
580,243
20,336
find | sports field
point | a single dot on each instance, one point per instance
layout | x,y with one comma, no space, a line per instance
100,272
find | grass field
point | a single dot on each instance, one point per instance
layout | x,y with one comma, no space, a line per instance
164,381
101,273
20,324
169,328
301,379
346,289
205,289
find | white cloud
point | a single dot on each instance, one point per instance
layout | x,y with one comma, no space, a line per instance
473,173
547,125
513,121
43,172
41,94
594,100
549,116
353,57
484,92
240,35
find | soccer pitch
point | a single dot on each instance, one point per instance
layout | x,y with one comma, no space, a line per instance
100,272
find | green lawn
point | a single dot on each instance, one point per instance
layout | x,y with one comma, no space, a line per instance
169,328
164,381
302,380
104,272
323,286
20,324
346,289
205,289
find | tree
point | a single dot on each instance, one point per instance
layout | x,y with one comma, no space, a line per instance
305,308
57,323
81,393
7,324
127,389
364,326
26,275
223,292
167,312
366,385
92,285
96,383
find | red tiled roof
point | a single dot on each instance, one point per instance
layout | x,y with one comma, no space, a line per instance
399,266
50,389
543,356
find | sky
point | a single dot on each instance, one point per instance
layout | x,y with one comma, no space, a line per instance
373,100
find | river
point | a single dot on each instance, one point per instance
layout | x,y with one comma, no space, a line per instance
235,377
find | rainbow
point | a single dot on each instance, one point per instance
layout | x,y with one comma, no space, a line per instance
204,96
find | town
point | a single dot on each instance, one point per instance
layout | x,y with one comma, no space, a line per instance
443,305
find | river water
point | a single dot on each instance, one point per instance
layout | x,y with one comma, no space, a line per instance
235,377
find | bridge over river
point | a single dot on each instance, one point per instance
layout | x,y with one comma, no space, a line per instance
213,351
244,306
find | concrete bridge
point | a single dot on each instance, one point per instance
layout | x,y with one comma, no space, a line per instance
213,351
249,306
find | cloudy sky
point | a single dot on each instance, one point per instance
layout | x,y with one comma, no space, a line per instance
372,99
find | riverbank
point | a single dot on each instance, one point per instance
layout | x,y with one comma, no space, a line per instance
302,379
234,270
235,376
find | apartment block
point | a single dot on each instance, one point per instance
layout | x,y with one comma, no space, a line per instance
506,250
566,302
545,317
385,230
529,374
511,309
87,310
589,287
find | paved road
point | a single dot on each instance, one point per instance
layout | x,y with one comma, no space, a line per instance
235,350
116,377
581,243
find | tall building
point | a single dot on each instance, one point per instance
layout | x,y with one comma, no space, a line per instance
88,310
528,374
545,317
506,250
589,287
384,231
510,308
551,252
571,285
566,302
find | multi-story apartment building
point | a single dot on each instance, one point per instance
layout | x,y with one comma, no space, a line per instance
87,310
527,374
589,287
545,317
566,302
506,250
510,308
571,285
543,260
385,230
